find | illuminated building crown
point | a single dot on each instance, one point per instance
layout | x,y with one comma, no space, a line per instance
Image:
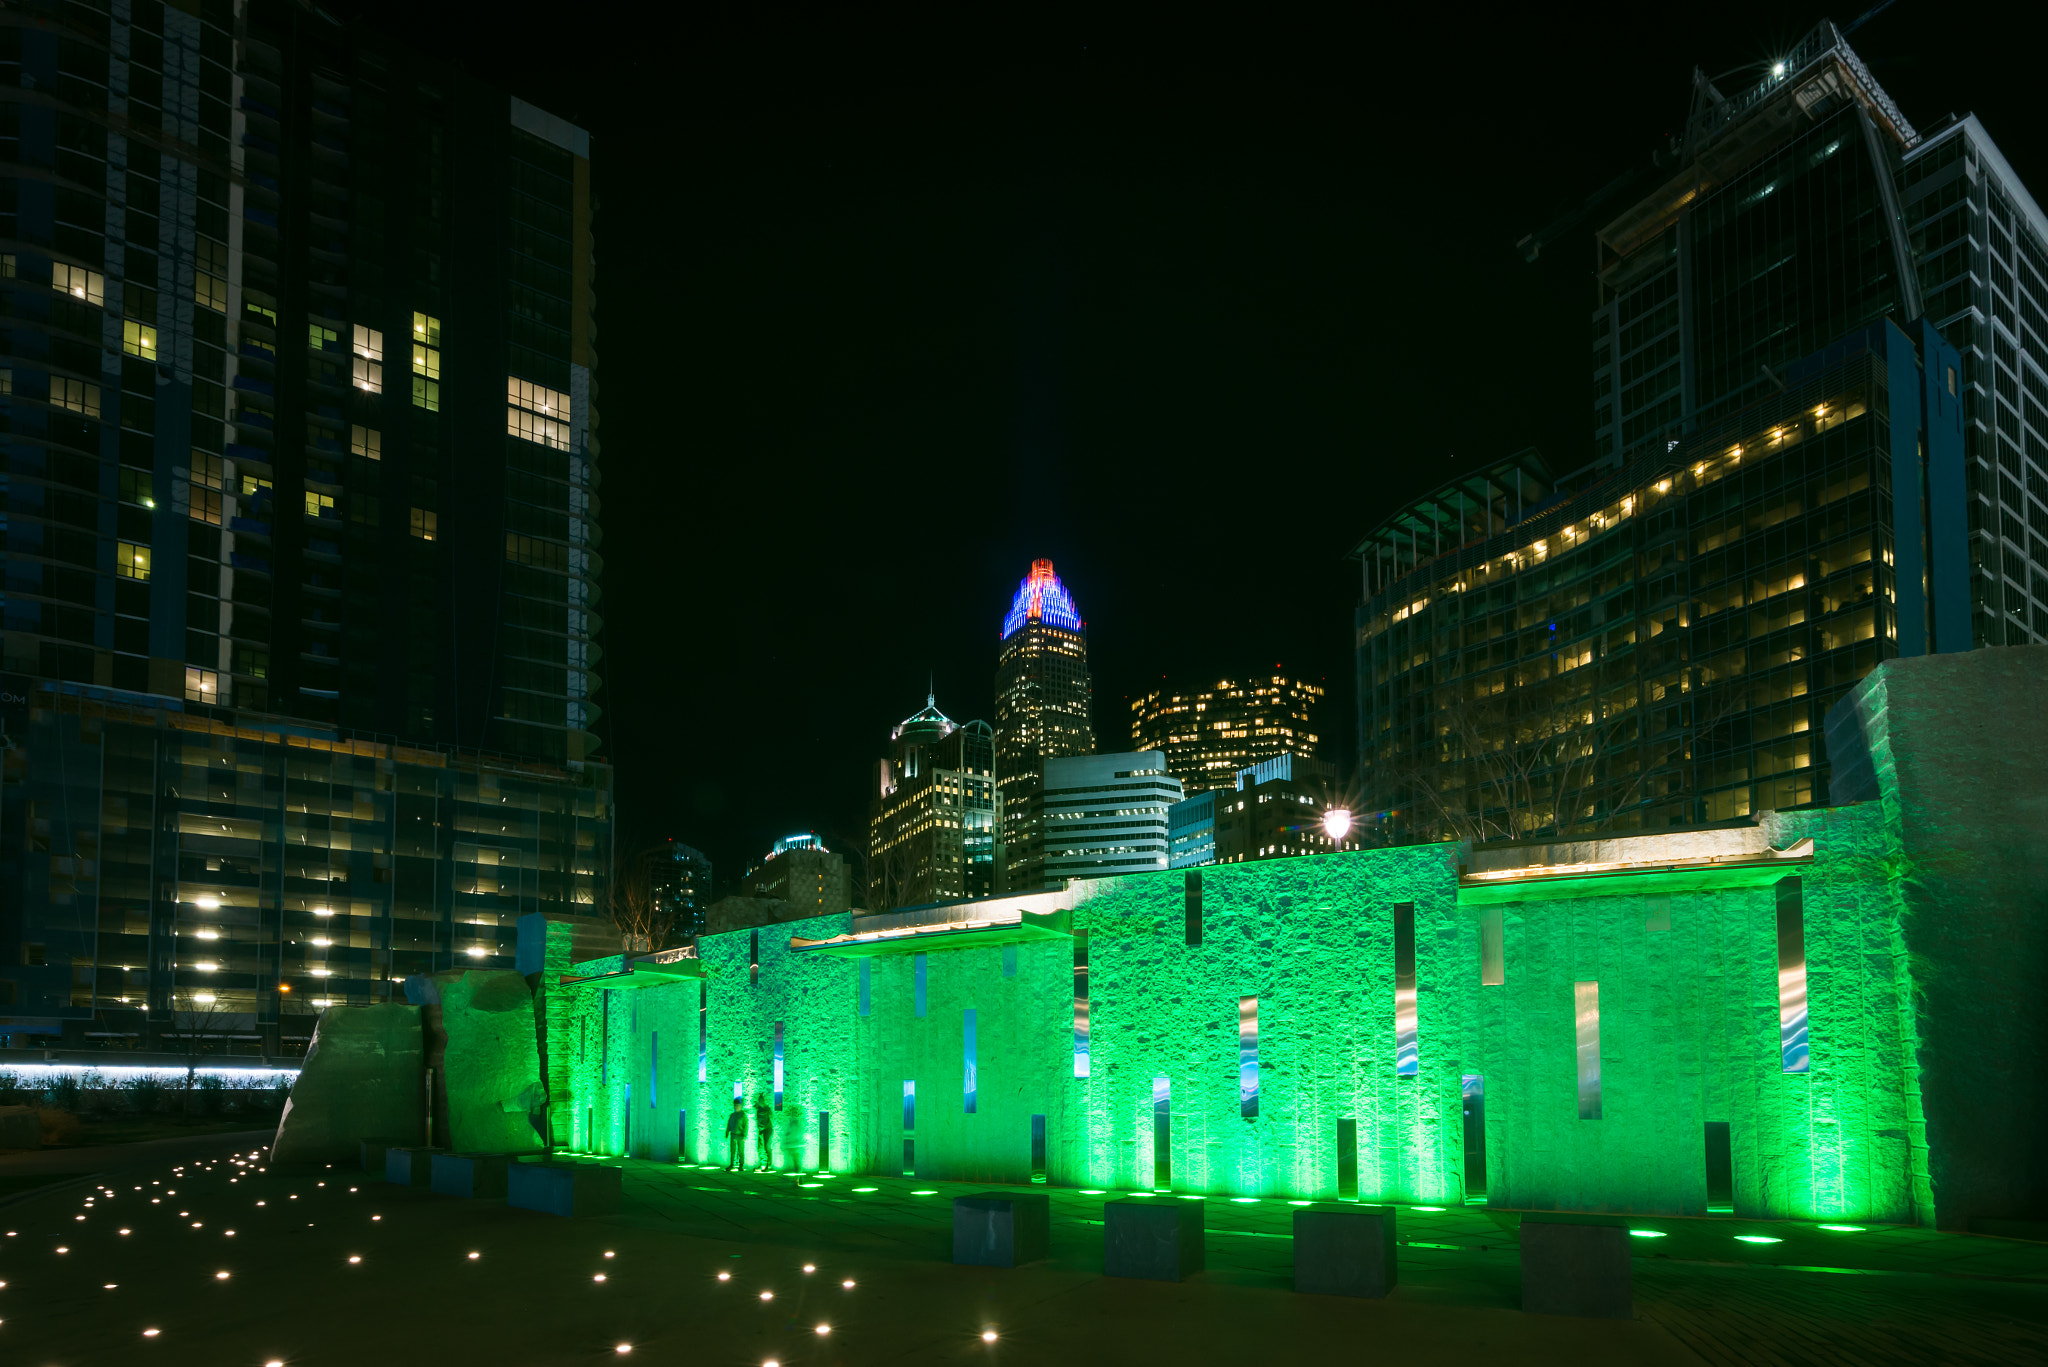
1041,597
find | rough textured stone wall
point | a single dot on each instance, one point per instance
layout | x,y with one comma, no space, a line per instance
1957,755
1689,1033
491,1063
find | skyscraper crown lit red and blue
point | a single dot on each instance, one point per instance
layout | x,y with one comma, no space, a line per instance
1041,597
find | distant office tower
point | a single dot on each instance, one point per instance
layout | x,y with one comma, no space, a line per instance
681,877
1209,733
1106,815
1821,402
300,461
1043,699
1191,830
1777,229
803,873
1278,809
934,813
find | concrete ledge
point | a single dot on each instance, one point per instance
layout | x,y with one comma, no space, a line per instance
562,1189
1581,1270
1001,1229
470,1174
1345,1251
408,1167
1158,1240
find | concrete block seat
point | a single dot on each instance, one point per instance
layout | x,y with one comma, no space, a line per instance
373,1151
1575,1269
1344,1250
408,1167
1001,1229
1157,1240
567,1189
471,1175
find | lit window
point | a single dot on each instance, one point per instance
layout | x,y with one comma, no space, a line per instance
369,359
209,280
425,524
7,266
319,505
320,339
205,506
79,283
426,362
138,339
201,685
76,395
132,561
208,472
260,313
251,485
7,381
535,428
366,441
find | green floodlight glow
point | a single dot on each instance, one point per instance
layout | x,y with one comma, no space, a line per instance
1425,1207
1301,1203
810,1184
1646,1233
1194,1198
867,1188
1844,1229
1758,1239
1141,1193
926,1192
1093,1191
1244,1200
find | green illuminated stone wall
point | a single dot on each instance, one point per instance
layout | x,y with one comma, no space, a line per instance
1689,1016
1953,749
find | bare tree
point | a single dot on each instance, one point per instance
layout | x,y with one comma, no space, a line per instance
1565,755
644,917
199,1021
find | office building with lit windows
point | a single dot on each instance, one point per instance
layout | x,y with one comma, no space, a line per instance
1209,733
1044,711
1800,210
301,462
1658,647
934,813
1276,809
1106,815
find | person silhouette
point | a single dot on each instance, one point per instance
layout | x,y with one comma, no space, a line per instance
736,1138
764,1132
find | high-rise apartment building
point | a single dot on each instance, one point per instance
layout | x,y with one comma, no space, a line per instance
681,879
1208,734
1106,815
1044,702
1820,387
934,813
301,461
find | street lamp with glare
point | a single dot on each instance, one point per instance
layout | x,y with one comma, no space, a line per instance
1778,69
1336,824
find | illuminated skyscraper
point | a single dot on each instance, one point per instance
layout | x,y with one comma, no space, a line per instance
1042,712
932,828
1209,734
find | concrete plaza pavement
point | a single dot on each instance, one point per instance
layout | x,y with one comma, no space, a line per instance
545,1290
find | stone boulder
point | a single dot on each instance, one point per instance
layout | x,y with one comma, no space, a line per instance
488,1096
361,1080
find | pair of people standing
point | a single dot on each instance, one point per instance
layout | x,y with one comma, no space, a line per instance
736,1136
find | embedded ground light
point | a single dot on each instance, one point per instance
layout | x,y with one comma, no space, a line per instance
1844,1229
1646,1233
1758,1239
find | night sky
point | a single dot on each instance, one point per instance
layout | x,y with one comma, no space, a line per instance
886,310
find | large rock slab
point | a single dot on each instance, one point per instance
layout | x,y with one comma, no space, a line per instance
361,1079
481,1042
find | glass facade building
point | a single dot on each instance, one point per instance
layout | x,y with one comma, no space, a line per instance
1044,710
935,814
1105,815
1658,647
1208,734
300,442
